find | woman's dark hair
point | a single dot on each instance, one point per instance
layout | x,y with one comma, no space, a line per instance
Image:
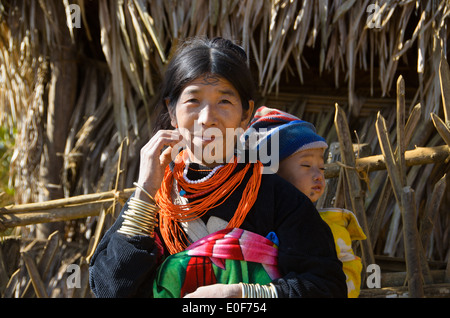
200,56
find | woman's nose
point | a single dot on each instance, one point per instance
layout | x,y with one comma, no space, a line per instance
208,115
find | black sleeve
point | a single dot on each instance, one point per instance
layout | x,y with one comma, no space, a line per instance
307,254
123,266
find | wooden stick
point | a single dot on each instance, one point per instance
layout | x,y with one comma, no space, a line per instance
51,204
386,192
45,261
97,234
418,156
354,182
411,124
406,201
53,215
411,241
388,154
36,280
441,127
401,142
13,282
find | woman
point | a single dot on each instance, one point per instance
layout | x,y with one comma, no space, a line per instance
208,95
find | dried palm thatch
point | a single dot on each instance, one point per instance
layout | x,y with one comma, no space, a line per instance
116,84
116,52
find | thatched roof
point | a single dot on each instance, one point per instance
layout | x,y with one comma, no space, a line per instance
121,49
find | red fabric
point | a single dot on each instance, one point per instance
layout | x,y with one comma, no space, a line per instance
199,272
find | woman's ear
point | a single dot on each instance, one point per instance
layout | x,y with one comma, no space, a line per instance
173,121
247,114
171,111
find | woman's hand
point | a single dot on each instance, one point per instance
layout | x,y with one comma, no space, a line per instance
217,291
154,160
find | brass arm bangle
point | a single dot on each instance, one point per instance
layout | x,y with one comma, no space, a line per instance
258,291
139,219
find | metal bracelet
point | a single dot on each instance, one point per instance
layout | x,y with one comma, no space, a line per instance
139,218
258,291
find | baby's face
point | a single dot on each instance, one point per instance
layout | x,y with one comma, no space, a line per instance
305,170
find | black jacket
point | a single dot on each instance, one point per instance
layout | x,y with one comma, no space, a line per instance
124,266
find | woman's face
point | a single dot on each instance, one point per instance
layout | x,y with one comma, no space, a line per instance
208,115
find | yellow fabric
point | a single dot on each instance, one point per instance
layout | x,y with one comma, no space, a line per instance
345,229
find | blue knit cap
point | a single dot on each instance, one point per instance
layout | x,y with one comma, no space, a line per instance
294,134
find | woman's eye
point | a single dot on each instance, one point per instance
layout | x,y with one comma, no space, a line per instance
306,166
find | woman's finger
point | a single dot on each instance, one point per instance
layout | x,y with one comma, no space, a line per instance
160,140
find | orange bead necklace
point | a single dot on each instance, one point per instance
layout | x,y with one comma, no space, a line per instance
219,186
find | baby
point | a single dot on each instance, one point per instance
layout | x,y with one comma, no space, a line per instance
300,155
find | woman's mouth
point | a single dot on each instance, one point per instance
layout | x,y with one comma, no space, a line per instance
207,139
204,140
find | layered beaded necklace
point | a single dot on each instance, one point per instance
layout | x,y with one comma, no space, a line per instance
218,185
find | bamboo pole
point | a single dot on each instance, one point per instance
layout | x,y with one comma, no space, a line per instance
411,241
58,203
402,143
406,201
354,183
53,215
418,156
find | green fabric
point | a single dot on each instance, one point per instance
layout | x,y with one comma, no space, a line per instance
171,274
229,256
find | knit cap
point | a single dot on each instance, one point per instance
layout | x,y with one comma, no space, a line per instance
293,134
